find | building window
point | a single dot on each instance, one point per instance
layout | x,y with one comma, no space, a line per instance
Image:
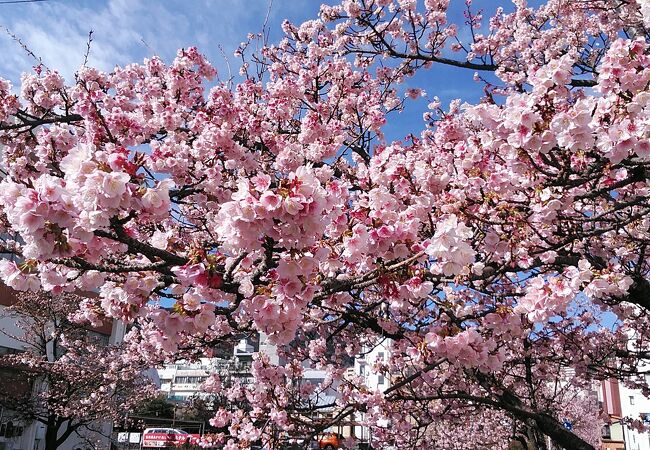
381,356
631,399
380,379
606,431
9,430
9,351
99,338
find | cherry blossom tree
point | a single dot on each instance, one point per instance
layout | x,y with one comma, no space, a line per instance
498,247
78,381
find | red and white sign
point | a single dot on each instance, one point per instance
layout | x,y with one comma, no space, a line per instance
168,439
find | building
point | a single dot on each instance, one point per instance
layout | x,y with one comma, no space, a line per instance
182,380
364,365
364,370
609,397
635,406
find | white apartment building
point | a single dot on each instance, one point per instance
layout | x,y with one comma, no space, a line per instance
182,380
635,405
364,365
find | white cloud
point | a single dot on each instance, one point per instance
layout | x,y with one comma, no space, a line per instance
127,31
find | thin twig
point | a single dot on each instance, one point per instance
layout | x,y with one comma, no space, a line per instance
24,47
265,27
225,57
90,39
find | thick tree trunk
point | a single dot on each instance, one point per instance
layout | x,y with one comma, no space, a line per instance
537,438
556,431
546,424
54,438
521,442
51,433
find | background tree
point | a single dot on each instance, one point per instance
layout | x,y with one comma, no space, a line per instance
158,406
79,381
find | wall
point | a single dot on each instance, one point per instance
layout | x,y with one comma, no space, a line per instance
635,405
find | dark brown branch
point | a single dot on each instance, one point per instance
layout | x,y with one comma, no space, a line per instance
38,122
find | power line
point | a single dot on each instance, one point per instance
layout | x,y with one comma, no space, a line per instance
7,2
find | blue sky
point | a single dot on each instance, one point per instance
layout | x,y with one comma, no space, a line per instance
127,31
